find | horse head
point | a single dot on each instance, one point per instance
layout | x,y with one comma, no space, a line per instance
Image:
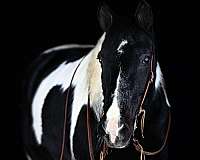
127,60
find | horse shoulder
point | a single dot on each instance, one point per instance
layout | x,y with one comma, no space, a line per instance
53,68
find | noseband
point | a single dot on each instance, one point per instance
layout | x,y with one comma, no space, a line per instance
104,149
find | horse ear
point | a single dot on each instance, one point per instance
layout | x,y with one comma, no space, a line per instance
105,17
144,15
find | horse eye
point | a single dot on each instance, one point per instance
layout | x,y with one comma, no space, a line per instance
146,60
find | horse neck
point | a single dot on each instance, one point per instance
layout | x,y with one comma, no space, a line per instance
94,79
156,121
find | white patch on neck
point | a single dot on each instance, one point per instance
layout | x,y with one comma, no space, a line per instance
159,76
113,116
159,82
56,77
82,87
123,43
95,83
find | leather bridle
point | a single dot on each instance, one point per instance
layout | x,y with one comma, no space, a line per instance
104,150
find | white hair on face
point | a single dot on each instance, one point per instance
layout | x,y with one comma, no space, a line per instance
113,115
159,82
123,43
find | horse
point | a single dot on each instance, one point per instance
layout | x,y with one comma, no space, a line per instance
84,101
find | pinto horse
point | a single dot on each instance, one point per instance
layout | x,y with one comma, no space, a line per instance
84,100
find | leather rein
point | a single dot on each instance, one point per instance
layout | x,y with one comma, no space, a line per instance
104,150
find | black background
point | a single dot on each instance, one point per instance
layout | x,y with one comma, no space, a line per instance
34,26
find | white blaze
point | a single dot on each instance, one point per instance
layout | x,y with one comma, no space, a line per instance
113,116
119,49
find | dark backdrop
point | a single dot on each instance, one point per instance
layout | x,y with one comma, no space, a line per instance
37,26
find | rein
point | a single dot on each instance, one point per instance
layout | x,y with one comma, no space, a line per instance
65,113
104,150
143,152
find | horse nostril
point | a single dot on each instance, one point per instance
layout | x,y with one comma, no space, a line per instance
119,137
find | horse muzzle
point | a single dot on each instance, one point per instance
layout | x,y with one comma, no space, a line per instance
118,137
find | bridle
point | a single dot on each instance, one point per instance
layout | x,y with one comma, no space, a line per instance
136,143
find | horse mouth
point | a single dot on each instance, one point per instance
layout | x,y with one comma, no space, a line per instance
116,145
121,141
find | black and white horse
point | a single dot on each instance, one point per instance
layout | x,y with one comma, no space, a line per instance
114,75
